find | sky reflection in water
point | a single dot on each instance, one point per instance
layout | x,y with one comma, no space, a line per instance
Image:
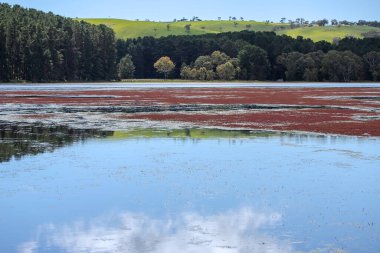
294,193
127,232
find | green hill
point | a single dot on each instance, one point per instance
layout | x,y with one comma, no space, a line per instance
328,33
132,29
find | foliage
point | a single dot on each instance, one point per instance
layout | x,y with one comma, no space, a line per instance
369,23
37,46
164,65
316,66
218,65
126,68
302,67
342,66
254,63
373,61
195,52
226,71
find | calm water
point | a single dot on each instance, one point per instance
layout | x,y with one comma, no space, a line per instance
121,86
187,191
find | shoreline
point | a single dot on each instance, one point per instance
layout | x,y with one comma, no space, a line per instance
160,81
153,84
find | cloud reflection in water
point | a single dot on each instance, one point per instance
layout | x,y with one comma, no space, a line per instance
239,231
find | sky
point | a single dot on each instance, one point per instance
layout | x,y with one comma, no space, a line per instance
167,10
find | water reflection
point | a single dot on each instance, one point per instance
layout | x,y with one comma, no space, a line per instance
235,231
321,191
20,140
17,141
240,231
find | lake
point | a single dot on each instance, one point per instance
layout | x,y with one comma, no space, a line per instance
169,85
187,190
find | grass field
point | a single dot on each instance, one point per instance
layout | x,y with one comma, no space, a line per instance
132,29
328,33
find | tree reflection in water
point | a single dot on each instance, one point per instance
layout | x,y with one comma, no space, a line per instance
17,141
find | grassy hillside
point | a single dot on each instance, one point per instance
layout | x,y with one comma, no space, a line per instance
328,33
133,29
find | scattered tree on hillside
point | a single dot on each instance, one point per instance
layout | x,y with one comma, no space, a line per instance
369,23
187,28
195,19
347,23
322,22
334,22
164,65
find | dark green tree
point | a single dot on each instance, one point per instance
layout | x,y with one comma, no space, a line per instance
254,63
372,59
342,66
37,46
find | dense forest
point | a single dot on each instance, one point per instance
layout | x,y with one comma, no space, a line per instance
362,54
37,46
43,47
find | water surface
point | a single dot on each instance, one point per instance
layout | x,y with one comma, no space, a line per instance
122,86
188,190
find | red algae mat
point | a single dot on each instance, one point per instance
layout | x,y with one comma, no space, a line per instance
346,111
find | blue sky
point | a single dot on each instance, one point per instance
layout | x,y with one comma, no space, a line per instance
165,10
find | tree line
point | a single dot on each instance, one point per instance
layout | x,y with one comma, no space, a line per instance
41,47
258,55
299,22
